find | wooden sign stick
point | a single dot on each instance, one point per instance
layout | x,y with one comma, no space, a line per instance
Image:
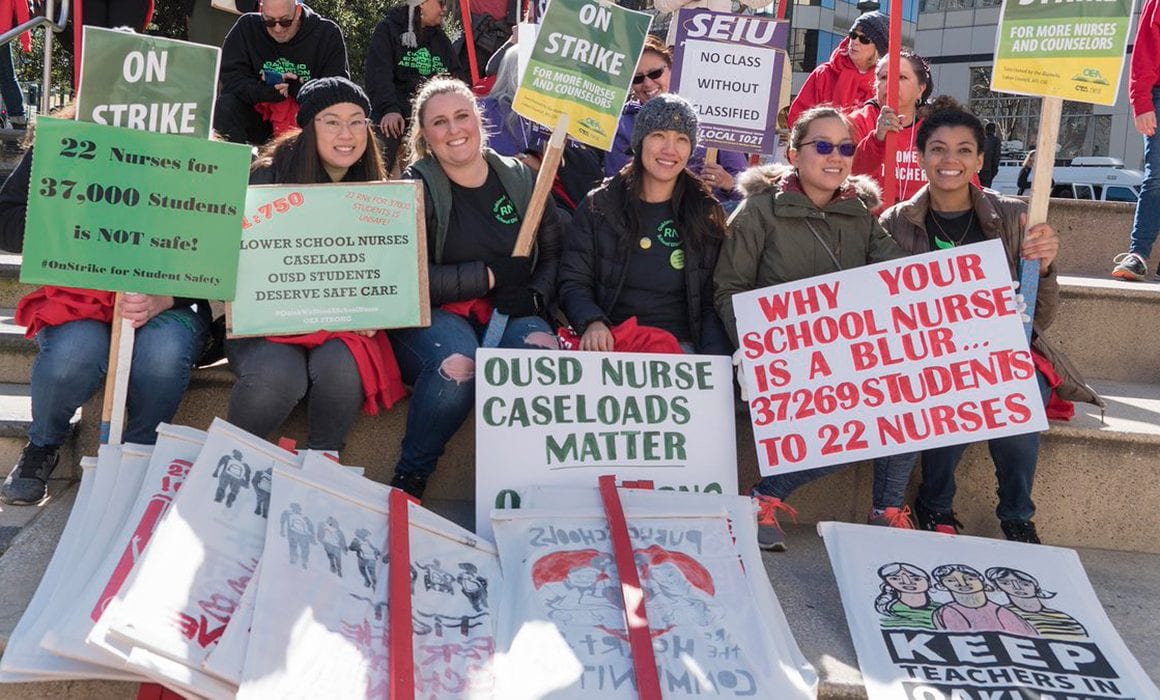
710,155
1049,116
117,378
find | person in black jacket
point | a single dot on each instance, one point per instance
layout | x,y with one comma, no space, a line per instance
645,242
475,202
285,38
407,49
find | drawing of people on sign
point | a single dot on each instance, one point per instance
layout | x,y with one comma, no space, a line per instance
435,578
299,533
333,542
1027,598
367,554
681,590
233,474
970,609
576,587
473,586
261,484
905,600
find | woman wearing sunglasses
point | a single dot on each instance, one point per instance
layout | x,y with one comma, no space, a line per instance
651,78
332,371
797,221
846,81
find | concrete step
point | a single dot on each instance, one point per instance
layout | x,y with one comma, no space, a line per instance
16,351
11,290
1091,234
1100,325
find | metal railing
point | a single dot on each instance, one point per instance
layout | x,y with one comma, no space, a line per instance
56,25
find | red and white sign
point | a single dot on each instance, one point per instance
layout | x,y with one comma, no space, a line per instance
921,352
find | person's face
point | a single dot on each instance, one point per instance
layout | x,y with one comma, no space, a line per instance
951,158
819,172
451,129
962,583
341,134
282,11
664,155
861,50
906,582
431,13
653,73
909,89
1016,587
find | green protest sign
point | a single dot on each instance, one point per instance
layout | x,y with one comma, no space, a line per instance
147,83
582,64
1073,50
332,257
133,211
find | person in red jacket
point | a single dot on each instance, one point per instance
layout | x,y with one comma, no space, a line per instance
846,81
1144,93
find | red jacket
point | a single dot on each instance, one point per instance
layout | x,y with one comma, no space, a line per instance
1144,71
837,82
12,13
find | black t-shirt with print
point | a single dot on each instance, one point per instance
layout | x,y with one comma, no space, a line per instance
953,229
654,289
484,223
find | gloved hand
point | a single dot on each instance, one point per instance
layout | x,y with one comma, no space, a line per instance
515,301
741,376
511,272
1020,303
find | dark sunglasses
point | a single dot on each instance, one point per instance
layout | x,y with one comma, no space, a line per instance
651,75
825,148
283,23
861,37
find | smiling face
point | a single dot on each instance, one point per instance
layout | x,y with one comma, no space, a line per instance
951,158
648,88
909,87
341,134
821,175
906,582
962,583
451,129
664,155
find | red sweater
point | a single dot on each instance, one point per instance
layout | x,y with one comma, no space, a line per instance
871,156
837,82
1144,70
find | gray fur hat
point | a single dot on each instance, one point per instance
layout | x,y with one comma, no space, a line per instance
663,112
875,26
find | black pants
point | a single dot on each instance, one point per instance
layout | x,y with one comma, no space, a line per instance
239,122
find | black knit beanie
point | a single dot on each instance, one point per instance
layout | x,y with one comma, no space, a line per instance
875,26
320,93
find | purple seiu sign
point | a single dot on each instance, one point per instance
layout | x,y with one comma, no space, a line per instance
730,67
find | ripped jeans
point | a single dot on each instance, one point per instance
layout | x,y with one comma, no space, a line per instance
439,364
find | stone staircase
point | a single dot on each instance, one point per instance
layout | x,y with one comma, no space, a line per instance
1096,486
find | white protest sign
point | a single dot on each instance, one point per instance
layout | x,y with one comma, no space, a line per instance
939,617
568,418
906,355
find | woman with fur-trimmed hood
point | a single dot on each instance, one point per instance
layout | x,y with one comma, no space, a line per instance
801,220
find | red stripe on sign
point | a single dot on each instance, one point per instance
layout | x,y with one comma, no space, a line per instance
402,655
644,664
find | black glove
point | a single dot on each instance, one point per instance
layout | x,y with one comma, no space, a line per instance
511,272
516,301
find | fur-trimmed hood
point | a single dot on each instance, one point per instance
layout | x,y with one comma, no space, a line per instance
782,177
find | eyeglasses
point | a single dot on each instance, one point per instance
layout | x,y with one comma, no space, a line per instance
861,37
283,23
825,148
651,75
335,126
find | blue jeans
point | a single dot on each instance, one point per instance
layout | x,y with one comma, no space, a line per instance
10,89
74,358
1147,221
891,476
1015,458
274,377
439,364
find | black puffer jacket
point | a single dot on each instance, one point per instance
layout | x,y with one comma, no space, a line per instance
395,72
594,266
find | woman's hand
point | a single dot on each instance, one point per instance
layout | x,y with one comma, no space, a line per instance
392,124
1041,243
888,120
596,338
716,176
140,308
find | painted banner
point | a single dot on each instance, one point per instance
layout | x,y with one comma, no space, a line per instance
133,211
147,83
1071,50
562,630
320,624
920,352
722,64
940,617
566,418
335,257
582,65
